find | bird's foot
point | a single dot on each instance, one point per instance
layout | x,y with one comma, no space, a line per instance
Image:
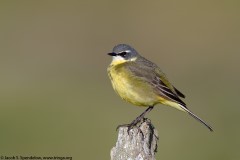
134,123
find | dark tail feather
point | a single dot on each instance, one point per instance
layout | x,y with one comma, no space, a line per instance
198,119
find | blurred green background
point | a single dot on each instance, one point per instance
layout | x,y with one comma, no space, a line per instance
56,98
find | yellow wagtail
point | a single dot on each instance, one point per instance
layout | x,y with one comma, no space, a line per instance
142,83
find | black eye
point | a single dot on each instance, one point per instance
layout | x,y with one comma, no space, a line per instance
122,54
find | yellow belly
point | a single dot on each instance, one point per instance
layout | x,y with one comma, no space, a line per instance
132,89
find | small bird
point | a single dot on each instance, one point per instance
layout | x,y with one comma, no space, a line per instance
141,82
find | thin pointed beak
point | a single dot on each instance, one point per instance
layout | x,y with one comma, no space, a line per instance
112,54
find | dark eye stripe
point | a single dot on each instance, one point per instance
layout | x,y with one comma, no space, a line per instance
122,54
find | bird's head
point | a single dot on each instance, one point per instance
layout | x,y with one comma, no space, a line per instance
123,53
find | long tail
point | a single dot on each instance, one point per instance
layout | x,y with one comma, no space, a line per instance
197,118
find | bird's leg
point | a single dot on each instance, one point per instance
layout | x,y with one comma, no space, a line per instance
138,119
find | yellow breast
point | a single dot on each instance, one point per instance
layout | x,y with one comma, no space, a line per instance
131,88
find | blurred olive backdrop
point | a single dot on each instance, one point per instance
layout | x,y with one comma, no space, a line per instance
56,98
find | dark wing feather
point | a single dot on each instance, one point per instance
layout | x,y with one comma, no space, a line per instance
166,92
180,94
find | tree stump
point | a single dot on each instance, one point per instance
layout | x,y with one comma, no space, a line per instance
140,143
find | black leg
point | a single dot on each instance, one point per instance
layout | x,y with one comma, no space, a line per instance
137,120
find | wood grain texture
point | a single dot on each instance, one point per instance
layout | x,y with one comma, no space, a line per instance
139,144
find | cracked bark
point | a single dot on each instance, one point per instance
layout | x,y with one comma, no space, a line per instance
139,144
